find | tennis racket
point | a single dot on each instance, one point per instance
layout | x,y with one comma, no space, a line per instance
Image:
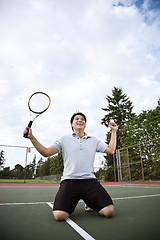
38,103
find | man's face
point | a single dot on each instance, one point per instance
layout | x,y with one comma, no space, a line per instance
78,122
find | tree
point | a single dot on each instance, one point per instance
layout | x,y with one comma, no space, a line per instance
100,174
5,173
52,166
2,159
18,171
119,108
142,127
39,164
45,167
57,164
29,171
31,168
145,129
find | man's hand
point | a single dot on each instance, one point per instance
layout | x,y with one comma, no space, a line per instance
46,152
29,132
112,144
113,126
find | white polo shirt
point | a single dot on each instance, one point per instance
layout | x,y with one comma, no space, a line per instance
78,155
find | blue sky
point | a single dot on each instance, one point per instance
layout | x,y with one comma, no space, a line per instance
76,51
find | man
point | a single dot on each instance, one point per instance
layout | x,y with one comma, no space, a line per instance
78,181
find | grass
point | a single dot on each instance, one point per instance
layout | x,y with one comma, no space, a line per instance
27,181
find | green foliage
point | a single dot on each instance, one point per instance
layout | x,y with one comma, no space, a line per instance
52,166
109,175
100,174
18,171
119,109
45,168
133,129
142,127
57,164
5,173
2,159
30,168
143,133
39,164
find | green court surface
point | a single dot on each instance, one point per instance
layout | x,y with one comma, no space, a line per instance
25,213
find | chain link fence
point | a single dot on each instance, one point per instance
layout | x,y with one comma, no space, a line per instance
139,162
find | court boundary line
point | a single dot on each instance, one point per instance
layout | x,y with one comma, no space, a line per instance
120,198
25,203
77,228
135,197
134,186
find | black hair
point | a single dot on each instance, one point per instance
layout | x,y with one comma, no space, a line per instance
75,114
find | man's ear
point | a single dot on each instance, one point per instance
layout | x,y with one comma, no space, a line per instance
72,127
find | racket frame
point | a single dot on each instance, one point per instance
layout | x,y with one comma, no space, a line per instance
44,109
31,110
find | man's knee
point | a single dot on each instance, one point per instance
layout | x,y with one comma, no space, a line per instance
107,211
60,215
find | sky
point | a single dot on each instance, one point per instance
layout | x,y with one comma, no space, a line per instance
76,51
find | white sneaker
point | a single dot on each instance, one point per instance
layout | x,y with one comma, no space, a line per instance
88,209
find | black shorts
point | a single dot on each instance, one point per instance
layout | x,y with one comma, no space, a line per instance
89,190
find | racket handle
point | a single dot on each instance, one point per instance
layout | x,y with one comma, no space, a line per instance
29,126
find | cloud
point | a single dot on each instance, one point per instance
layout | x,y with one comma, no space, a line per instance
76,51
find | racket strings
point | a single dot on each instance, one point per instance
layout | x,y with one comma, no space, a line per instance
39,102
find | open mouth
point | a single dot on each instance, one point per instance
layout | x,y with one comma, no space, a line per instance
80,124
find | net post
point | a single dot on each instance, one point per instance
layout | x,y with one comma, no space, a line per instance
129,170
141,162
114,166
25,164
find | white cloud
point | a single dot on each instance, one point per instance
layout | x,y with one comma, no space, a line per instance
4,86
75,51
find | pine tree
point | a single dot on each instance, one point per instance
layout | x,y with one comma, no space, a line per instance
2,159
119,110
39,164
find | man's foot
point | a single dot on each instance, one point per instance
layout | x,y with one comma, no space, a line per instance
88,209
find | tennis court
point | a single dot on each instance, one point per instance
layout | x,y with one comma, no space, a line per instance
25,213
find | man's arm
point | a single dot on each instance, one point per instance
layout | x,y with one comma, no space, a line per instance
46,152
113,142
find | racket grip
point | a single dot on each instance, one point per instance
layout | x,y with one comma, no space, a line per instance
29,126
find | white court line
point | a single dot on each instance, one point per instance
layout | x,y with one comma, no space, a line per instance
29,203
84,234
78,229
144,196
50,204
123,198
133,186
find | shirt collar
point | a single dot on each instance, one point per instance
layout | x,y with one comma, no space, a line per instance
86,136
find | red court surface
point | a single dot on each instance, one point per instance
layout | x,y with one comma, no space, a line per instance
57,184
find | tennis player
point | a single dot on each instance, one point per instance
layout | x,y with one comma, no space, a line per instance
78,180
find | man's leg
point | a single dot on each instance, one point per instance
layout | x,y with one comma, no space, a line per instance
98,199
66,200
107,211
60,215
